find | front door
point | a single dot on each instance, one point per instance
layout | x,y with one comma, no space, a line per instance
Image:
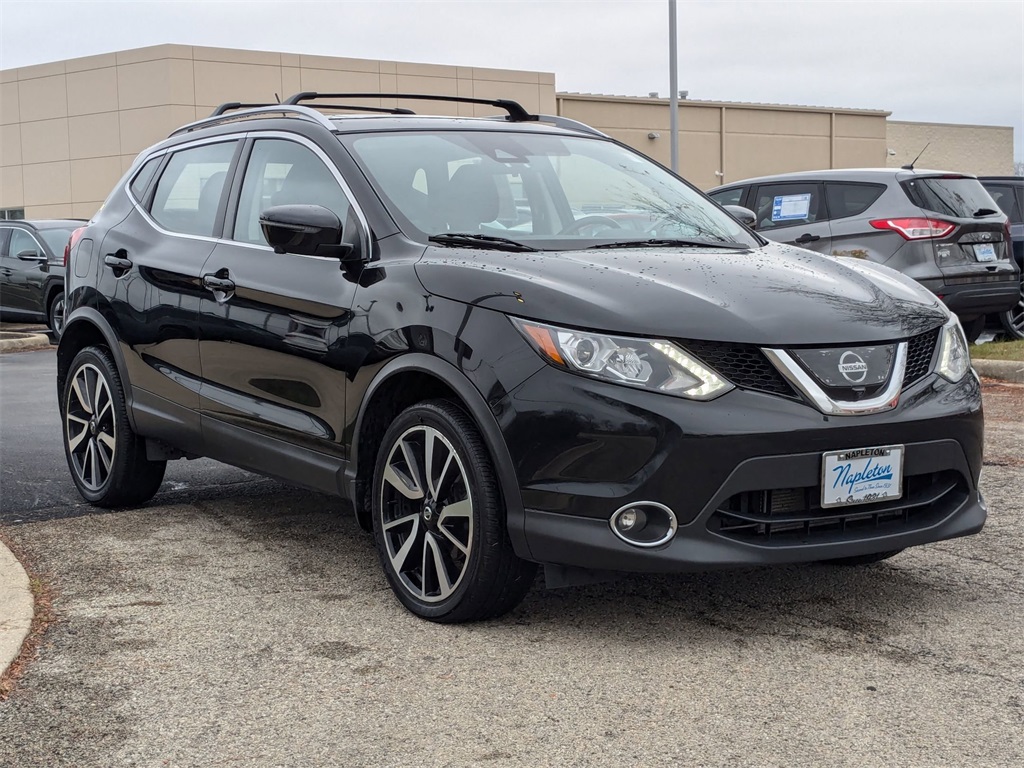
793,213
275,325
22,272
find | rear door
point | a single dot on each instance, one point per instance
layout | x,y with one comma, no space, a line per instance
150,270
275,325
793,212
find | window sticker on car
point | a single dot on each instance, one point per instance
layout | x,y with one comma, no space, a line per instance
790,207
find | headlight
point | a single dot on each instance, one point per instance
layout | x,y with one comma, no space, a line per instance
659,366
954,359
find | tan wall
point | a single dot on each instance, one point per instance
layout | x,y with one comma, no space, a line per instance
757,139
69,130
985,150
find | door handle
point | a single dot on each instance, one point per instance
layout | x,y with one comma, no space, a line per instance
807,237
118,261
214,283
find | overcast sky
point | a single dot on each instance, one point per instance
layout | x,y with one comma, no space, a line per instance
955,62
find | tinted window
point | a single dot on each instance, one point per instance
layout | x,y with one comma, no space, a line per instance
189,189
950,196
850,199
728,196
784,205
143,177
56,239
1004,197
283,172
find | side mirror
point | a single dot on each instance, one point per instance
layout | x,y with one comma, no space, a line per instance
746,216
311,230
32,255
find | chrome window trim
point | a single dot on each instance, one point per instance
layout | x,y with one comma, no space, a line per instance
360,216
792,371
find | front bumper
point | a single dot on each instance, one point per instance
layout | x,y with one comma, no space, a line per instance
582,449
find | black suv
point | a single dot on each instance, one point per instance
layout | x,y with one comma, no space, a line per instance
32,257
508,341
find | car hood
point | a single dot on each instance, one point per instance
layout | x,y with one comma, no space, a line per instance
774,295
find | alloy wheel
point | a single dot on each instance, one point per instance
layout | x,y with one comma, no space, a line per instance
426,514
1013,318
57,316
90,427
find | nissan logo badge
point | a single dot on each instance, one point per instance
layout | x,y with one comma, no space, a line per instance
853,367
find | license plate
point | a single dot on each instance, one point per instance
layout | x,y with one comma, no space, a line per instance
986,252
861,476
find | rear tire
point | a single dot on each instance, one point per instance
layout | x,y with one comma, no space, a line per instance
55,315
876,557
107,459
439,519
1013,319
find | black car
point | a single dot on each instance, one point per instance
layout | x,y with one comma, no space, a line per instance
445,321
32,269
1008,192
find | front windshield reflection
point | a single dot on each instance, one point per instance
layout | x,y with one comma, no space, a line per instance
546,191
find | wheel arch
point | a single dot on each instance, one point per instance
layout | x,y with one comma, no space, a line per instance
85,328
405,381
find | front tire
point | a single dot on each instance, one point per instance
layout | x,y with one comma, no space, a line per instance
439,520
107,459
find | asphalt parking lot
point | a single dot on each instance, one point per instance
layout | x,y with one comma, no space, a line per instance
247,623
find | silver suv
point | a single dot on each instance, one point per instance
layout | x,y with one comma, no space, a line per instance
942,229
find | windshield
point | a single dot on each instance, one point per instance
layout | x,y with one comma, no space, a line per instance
549,192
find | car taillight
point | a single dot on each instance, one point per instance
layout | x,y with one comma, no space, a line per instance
75,236
916,229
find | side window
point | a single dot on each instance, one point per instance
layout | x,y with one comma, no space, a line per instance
189,190
22,241
141,181
1004,197
282,172
850,199
784,205
728,196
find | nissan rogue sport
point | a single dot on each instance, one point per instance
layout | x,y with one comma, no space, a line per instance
509,341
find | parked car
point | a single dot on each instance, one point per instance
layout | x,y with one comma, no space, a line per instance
942,229
336,302
32,269
1008,192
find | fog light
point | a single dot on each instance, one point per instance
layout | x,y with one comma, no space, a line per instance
627,520
644,524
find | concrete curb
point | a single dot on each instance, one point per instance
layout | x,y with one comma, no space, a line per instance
16,607
15,341
1004,370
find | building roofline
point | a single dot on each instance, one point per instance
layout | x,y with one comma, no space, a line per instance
718,104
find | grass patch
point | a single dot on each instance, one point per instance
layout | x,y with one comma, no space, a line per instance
999,350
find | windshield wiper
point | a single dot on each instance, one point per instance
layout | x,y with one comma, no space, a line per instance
468,240
984,212
667,243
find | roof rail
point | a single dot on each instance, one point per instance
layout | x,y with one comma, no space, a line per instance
232,105
306,113
358,108
570,124
516,112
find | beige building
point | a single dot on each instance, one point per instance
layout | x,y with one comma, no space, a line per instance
69,129
986,150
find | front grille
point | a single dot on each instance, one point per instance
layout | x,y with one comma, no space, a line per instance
789,516
743,364
920,351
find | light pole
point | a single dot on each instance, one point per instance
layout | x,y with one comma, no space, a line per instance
673,87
